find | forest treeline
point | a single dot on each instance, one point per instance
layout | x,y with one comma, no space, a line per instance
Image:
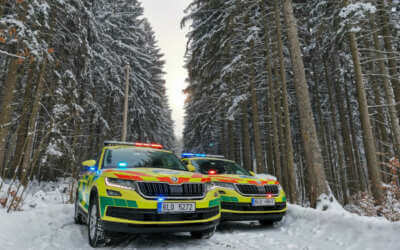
62,82
308,91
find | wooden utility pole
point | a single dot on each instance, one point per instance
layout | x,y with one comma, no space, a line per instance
125,118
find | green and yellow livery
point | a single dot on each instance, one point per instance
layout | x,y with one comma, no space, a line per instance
244,196
141,188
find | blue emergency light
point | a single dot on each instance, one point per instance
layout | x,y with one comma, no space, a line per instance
189,155
122,164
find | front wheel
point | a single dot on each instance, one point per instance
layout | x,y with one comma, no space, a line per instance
205,234
270,222
96,233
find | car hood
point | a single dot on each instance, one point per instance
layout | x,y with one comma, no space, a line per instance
156,175
243,179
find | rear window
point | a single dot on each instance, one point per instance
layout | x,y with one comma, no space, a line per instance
140,158
222,167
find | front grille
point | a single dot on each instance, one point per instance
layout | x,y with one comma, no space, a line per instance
152,215
156,189
256,190
248,207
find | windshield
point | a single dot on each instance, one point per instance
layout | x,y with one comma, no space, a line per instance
140,158
222,167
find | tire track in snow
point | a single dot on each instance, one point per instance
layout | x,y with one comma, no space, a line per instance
51,227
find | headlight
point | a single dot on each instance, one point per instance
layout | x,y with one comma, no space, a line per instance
224,185
209,186
120,183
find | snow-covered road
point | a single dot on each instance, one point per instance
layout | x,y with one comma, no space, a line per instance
51,227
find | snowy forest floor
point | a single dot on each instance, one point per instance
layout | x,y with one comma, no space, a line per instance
47,223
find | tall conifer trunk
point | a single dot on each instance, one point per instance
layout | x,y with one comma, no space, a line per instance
312,147
6,108
246,137
389,94
387,38
22,129
368,138
231,141
255,116
275,123
288,133
32,122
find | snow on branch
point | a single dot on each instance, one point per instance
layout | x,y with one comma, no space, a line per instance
235,104
9,54
355,13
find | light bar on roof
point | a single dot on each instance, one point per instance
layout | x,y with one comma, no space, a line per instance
191,155
115,143
215,156
136,144
148,145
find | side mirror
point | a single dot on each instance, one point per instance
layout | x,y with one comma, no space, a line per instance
252,173
89,163
191,168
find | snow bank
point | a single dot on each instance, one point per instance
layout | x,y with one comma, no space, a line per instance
302,228
49,225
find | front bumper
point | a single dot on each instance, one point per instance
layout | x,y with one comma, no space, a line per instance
144,216
237,211
131,212
158,228
227,216
119,215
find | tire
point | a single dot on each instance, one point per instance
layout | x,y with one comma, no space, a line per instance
77,216
96,234
205,234
270,222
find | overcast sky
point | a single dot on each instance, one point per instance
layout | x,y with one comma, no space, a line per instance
165,17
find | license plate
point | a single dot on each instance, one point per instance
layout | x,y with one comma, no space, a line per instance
263,202
175,207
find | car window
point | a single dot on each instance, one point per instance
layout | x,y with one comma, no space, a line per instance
139,158
221,166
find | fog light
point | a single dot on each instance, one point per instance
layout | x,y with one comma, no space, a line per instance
113,193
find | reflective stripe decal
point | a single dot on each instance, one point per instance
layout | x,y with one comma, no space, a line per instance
84,205
169,180
214,203
107,201
227,180
206,179
164,179
129,177
127,172
229,199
